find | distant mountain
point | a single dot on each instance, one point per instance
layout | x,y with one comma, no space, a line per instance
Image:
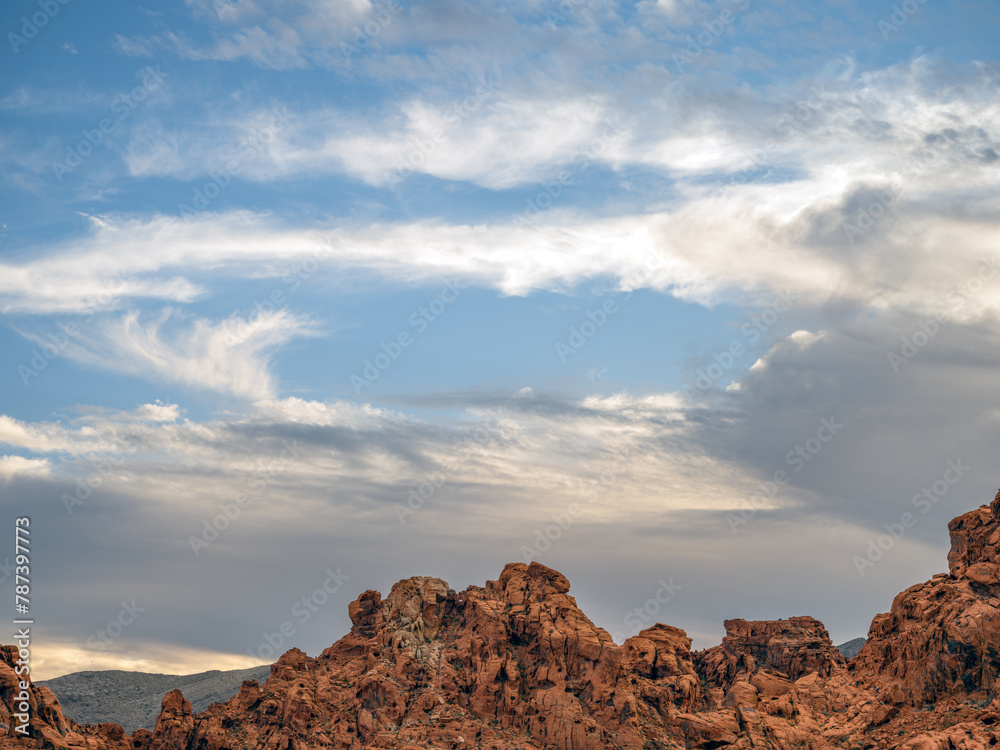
133,699
851,648
516,663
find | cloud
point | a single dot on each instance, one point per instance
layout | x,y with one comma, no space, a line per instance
280,36
758,238
645,480
65,656
614,483
867,197
35,101
924,122
11,466
824,195
232,356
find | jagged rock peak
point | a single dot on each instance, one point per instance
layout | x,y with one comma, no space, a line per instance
516,664
975,545
793,647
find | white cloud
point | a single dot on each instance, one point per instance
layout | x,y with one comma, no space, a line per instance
749,240
230,357
60,656
930,127
654,477
271,34
520,453
12,466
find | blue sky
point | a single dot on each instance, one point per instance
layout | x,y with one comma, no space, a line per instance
645,248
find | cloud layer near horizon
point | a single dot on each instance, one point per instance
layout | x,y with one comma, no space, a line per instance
772,250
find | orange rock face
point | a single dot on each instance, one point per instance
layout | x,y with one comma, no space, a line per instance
941,638
46,725
975,545
792,647
516,664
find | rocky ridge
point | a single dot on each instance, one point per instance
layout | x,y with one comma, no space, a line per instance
133,699
851,648
516,664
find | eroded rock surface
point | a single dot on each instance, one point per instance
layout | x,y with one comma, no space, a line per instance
941,638
516,664
792,647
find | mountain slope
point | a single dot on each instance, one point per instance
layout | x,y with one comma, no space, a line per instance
516,664
133,699
851,648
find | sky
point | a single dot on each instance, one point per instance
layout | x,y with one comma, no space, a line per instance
695,302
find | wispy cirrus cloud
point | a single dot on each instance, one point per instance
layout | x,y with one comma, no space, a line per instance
926,121
797,231
231,356
544,157
658,469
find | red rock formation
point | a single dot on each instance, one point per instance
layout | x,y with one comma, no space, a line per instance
516,664
941,638
787,648
174,724
47,726
975,545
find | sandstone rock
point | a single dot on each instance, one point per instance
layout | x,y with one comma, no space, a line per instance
47,727
516,664
941,638
174,724
975,541
790,648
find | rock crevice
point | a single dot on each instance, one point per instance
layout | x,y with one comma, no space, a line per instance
517,664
